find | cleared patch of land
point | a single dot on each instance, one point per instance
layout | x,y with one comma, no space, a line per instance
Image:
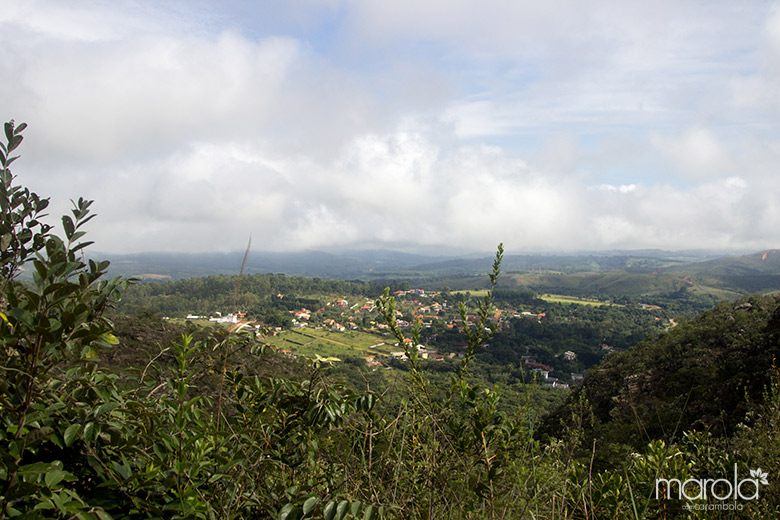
476,293
560,298
153,276
310,342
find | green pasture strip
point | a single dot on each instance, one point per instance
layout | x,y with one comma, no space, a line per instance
476,293
560,298
308,342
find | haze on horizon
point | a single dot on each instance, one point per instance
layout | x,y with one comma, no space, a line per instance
444,125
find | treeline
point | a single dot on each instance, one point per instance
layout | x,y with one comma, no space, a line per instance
551,329
252,293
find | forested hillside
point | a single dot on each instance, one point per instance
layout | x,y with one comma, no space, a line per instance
701,376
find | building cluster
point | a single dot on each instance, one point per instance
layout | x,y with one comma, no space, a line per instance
542,372
531,315
422,351
414,305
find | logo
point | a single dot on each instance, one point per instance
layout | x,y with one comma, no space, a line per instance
720,489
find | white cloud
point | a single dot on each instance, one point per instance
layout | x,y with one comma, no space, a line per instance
135,97
94,21
758,90
623,188
557,125
696,153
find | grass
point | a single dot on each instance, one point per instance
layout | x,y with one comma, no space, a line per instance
310,342
476,293
552,298
710,290
560,298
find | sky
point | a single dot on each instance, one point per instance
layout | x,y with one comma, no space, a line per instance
426,125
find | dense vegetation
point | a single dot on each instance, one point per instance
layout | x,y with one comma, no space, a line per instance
215,424
272,298
702,376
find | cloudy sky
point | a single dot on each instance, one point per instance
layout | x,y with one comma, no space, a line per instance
449,125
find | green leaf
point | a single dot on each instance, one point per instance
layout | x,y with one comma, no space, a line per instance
89,432
82,245
14,143
341,510
54,477
78,234
121,469
22,315
370,513
71,433
5,241
309,504
105,407
330,510
89,352
34,468
290,512
109,338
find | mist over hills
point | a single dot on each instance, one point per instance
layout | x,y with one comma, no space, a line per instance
630,271
760,263
347,265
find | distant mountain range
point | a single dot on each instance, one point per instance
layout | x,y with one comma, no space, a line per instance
347,265
760,263
372,264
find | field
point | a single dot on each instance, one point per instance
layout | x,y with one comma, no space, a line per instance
476,293
310,342
559,298
553,298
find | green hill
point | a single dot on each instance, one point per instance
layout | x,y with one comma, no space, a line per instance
617,284
760,263
608,283
701,375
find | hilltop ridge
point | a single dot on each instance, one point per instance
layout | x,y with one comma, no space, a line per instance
368,263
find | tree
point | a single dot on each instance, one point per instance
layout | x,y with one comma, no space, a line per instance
50,329
179,441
